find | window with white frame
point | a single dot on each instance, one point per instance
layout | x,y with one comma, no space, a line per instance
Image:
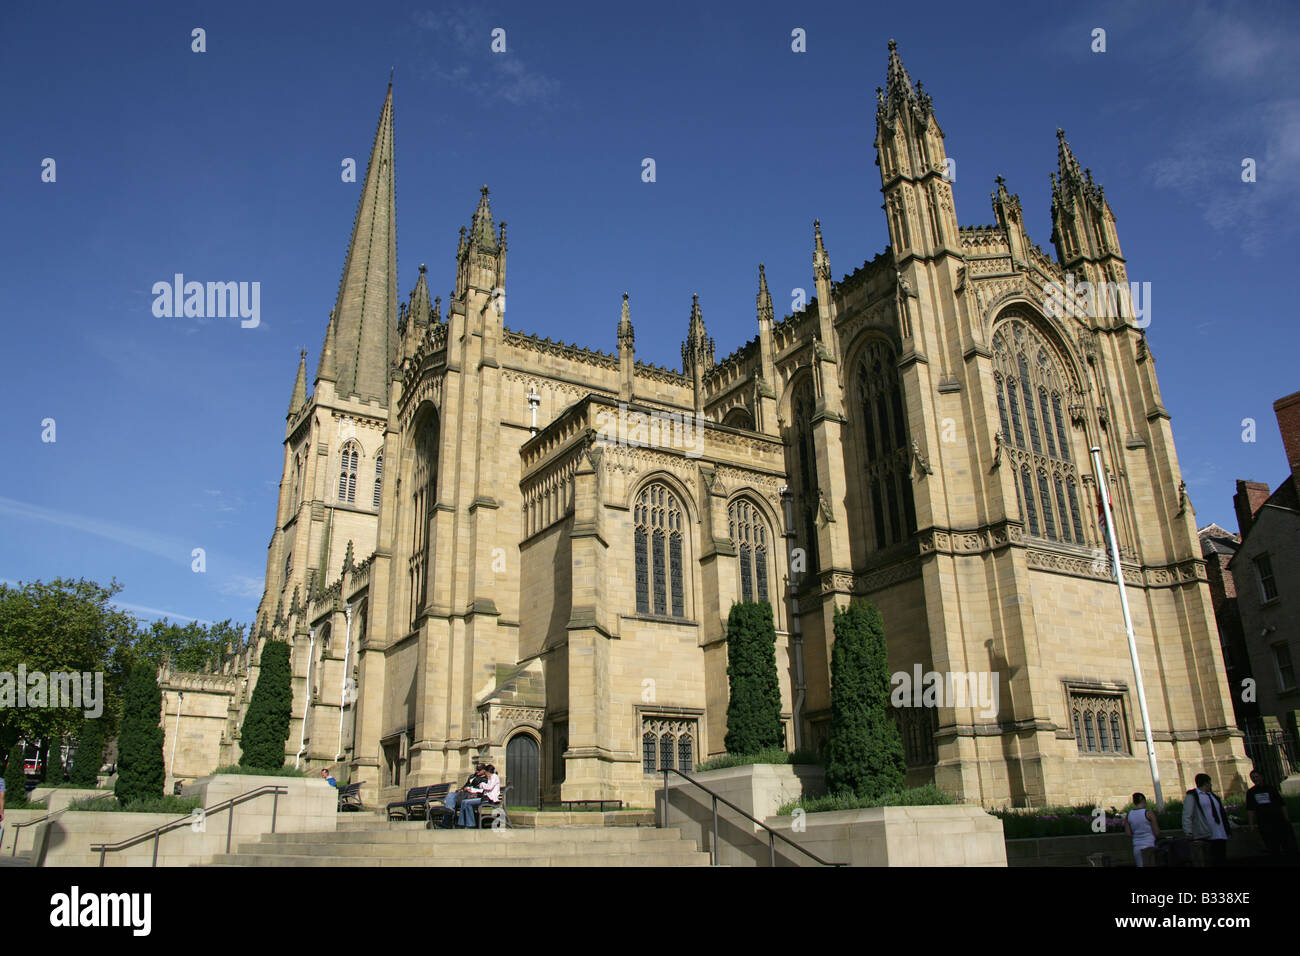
1264,574
1284,666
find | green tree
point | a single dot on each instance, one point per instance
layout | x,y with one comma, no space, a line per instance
187,647
140,768
63,626
90,753
266,725
754,710
15,778
864,755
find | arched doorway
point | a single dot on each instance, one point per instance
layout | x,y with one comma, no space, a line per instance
523,766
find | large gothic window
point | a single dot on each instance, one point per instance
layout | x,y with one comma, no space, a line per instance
887,485
424,496
658,552
749,538
348,460
1032,399
807,497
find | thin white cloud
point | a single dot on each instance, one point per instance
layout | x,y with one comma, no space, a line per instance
133,537
462,41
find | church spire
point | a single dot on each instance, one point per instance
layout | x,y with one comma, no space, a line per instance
697,353
764,298
299,396
1083,227
326,368
364,324
481,253
420,311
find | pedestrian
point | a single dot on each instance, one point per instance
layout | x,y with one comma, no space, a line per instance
1140,824
1265,809
325,775
1205,822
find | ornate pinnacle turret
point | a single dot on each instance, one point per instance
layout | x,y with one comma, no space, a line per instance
299,396
347,558
420,311
326,368
625,336
697,350
821,260
436,316
481,228
764,298
897,97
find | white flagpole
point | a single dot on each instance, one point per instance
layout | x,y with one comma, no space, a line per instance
1113,543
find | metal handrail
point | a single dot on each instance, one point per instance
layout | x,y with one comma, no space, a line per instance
32,823
157,832
772,835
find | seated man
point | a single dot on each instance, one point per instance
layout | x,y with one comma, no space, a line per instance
489,790
472,787
325,775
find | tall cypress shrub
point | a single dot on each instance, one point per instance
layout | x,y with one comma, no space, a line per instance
90,753
864,755
140,768
266,725
15,776
754,710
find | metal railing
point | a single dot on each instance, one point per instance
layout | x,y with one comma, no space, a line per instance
156,832
772,835
31,823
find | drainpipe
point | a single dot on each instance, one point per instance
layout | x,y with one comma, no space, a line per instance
796,626
176,732
306,706
343,693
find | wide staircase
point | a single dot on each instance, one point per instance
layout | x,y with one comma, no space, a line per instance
376,843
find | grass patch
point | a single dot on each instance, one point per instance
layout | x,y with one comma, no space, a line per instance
925,796
259,772
160,804
774,756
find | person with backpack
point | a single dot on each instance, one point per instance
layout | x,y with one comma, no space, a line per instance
1205,823
1140,824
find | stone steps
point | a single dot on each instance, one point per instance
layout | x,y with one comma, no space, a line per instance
412,845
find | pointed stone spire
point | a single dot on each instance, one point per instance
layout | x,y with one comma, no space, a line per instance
365,316
1082,223
697,350
481,228
436,315
420,311
821,260
327,369
625,335
898,97
347,558
764,298
299,396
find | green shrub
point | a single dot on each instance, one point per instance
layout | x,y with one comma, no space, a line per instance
159,804
15,778
864,753
773,755
266,725
140,768
754,709
90,754
924,796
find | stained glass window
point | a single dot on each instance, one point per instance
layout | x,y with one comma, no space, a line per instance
886,490
658,552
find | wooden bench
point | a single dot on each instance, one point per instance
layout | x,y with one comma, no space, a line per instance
350,796
419,800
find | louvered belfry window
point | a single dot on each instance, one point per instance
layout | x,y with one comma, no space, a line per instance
348,461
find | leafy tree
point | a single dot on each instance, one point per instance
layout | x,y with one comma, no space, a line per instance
754,710
187,647
90,753
864,755
15,778
62,626
140,769
266,725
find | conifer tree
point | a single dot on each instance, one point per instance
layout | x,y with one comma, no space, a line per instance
90,753
266,725
15,775
754,710
864,755
140,768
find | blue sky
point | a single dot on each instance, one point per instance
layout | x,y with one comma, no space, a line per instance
225,166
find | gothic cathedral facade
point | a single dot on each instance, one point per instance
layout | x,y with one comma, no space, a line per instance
467,566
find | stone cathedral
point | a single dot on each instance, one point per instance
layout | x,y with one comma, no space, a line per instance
469,563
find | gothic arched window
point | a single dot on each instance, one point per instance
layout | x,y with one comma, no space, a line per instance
297,481
887,488
348,460
749,538
424,496
379,475
1032,393
658,551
